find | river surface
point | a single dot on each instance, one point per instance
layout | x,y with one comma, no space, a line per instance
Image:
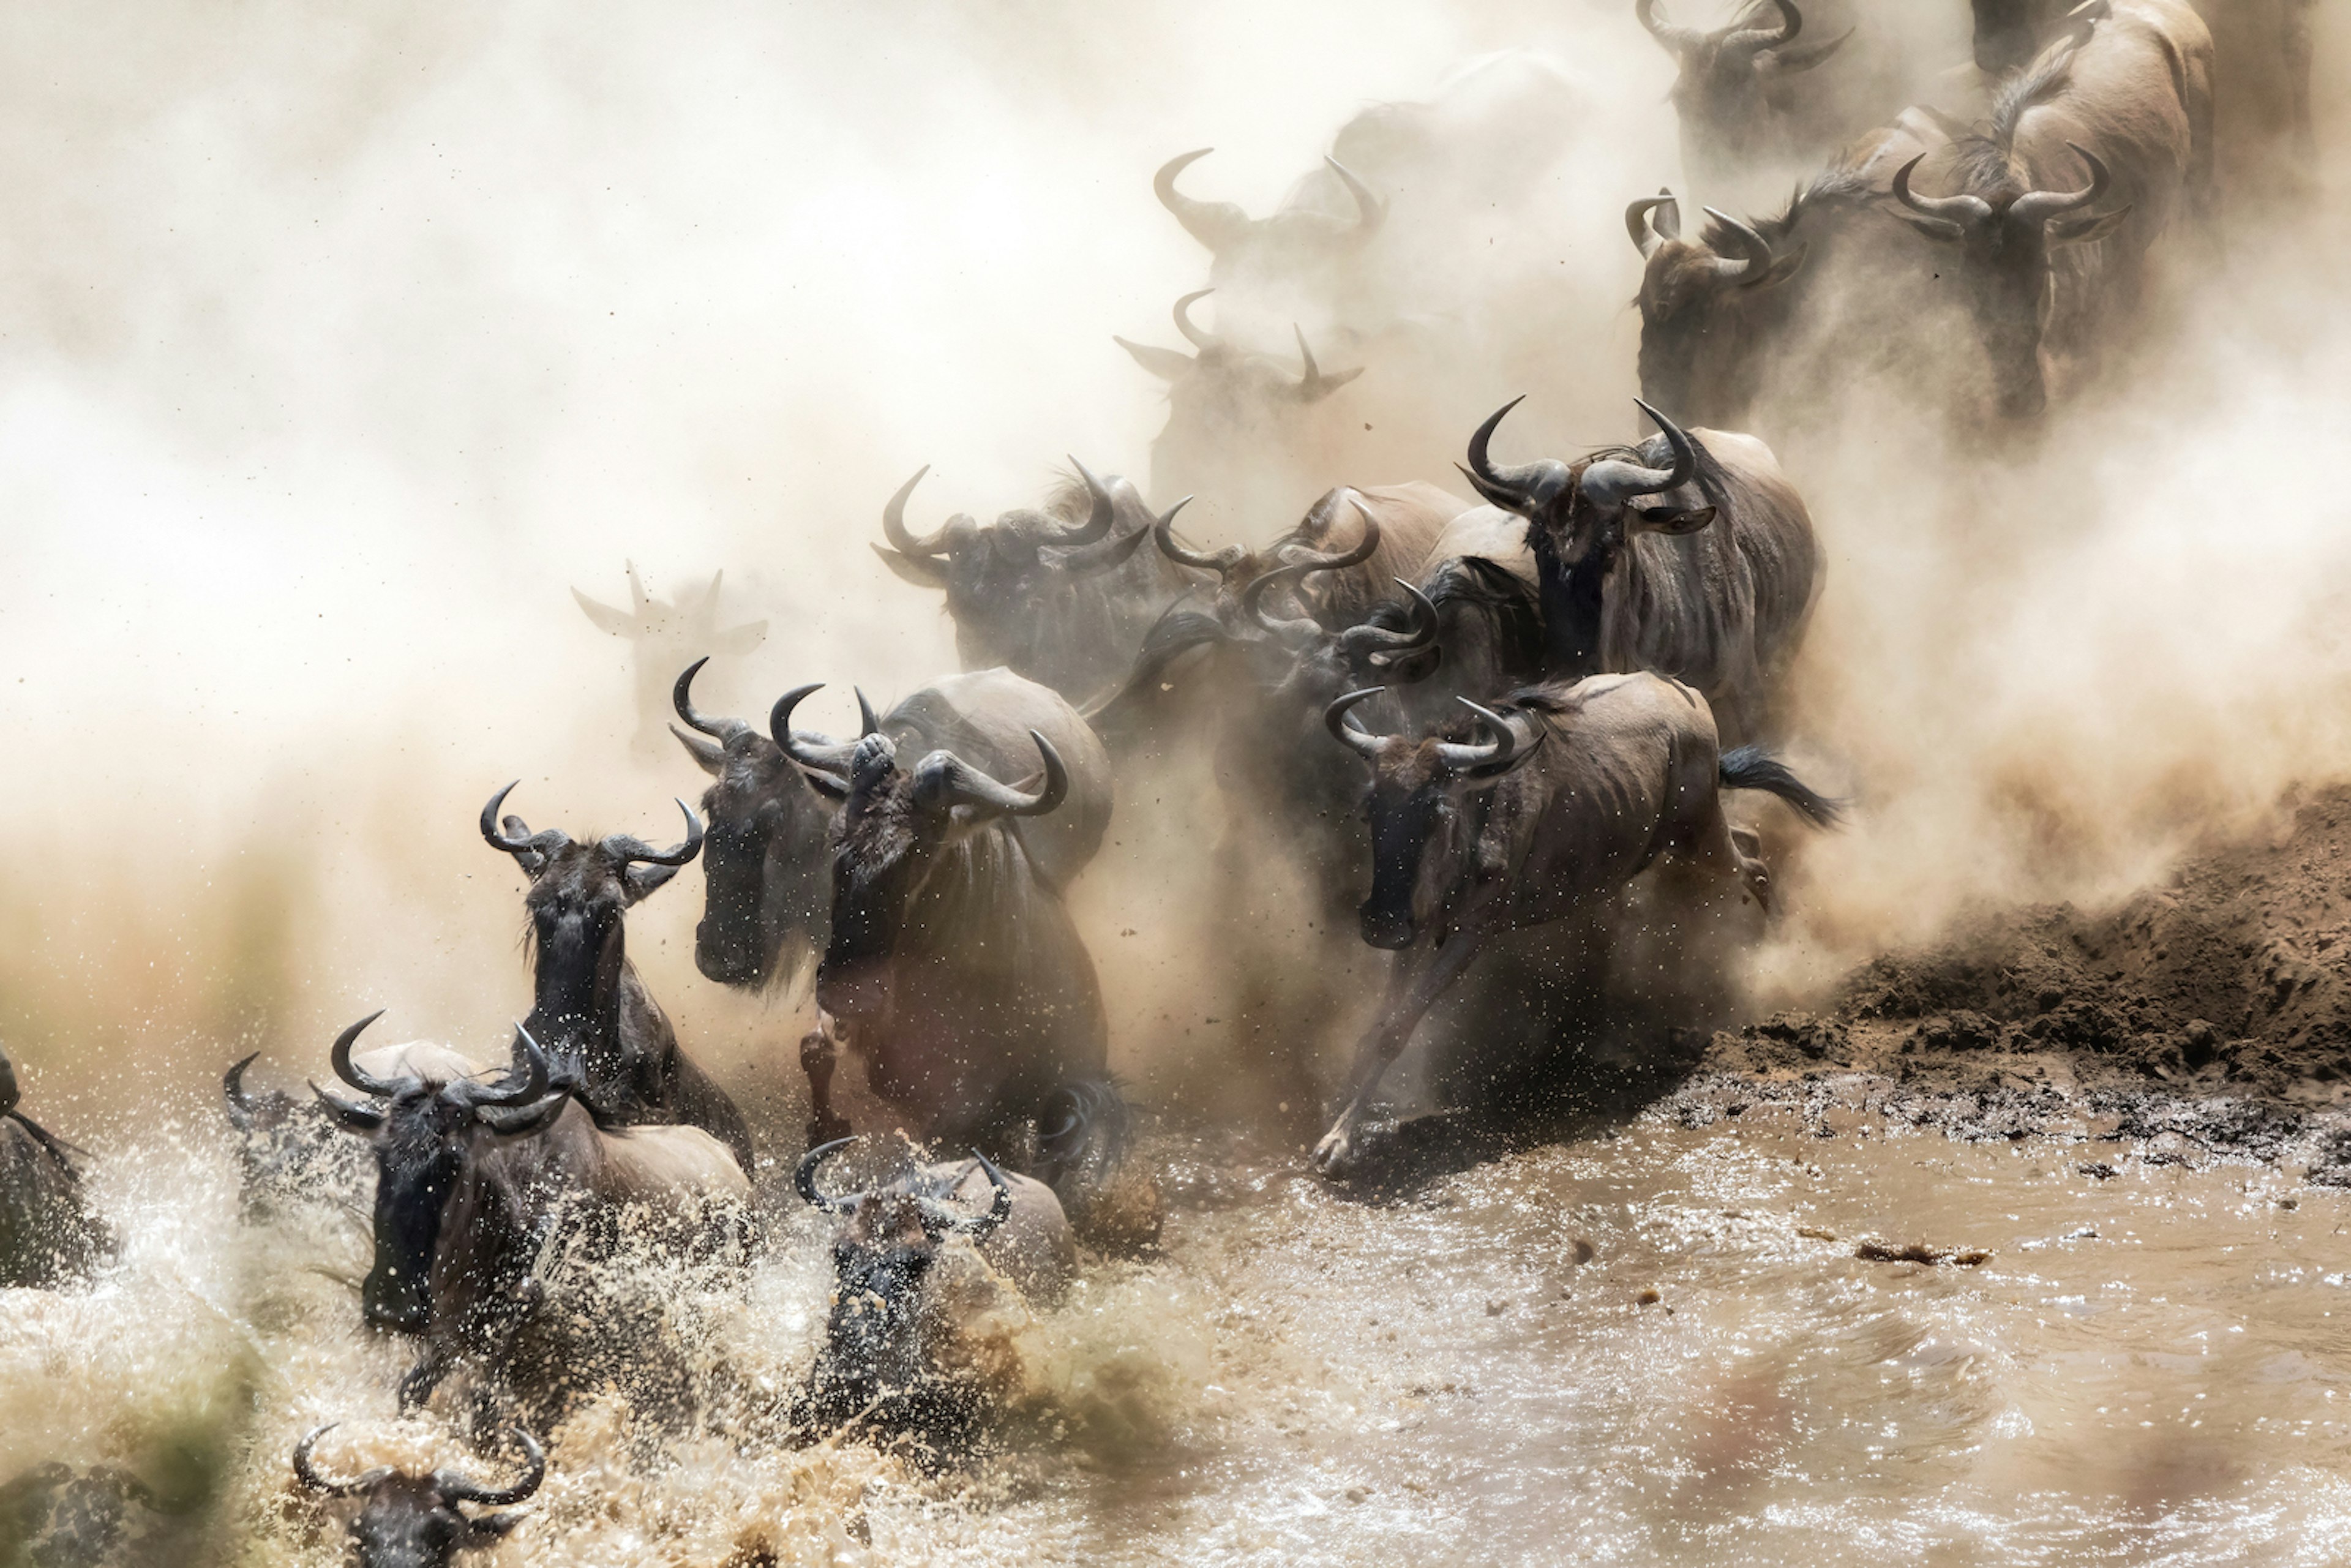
1652,1347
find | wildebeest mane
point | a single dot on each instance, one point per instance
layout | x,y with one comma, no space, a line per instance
1512,608
1983,162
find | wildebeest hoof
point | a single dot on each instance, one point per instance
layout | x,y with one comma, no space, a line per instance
1335,1157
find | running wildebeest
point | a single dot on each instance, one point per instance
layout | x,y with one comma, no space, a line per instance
288,1151
1576,788
1052,595
475,1174
2090,154
879,1364
1733,88
663,635
50,1234
610,1042
417,1522
766,873
951,963
1710,582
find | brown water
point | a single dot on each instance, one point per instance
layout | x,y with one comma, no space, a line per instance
2145,1369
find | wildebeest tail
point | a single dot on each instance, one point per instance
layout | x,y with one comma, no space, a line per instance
1752,768
1081,1147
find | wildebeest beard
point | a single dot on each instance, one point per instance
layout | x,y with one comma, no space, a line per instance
417,1167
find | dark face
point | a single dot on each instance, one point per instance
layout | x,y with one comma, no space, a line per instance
1682,312
420,1154
2004,266
407,1523
1408,803
575,904
996,577
872,1339
882,844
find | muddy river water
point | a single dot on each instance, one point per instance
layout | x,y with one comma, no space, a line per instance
1654,1346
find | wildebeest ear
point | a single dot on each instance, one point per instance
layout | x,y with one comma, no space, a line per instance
521,1121
642,881
349,1114
919,570
1665,520
708,754
619,622
739,640
1784,267
2082,230
493,1526
1167,364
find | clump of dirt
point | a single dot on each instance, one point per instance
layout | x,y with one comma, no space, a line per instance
2211,1009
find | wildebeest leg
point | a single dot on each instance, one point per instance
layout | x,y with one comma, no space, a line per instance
1421,976
1719,852
818,1058
422,1379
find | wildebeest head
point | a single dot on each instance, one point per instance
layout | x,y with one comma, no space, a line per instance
2005,232
1293,239
763,862
664,633
894,824
424,1133
1224,384
873,1354
286,1147
579,892
1417,791
1695,293
419,1522
1724,73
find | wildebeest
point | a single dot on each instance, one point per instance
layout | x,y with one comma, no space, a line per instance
610,1040
663,635
2089,155
1052,595
475,1174
951,963
1576,786
1300,239
419,1522
50,1234
1732,90
768,890
880,1363
1711,581
55,1516
287,1150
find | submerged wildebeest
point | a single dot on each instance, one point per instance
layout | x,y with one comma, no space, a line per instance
50,1234
1059,596
767,891
663,635
287,1150
1735,87
476,1175
1710,582
418,1521
1576,788
2090,154
880,1365
951,963
610,1042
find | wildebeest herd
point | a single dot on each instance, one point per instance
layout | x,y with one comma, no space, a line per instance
1492,711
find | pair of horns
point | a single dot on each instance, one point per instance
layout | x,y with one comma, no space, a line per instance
942,780
2032,209
521,1088
1507,747
453,1486
1529,487
1221,225
517,839
937,1217
1093,530
1654,221
1312,386
1736,36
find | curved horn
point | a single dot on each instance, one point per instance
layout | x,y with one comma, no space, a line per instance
1214,224
976,1225
1355,554
533,1086
1294,632
1199,337
1519,487
1755,252
1757,39
310,1475
1678,39
1097,526
1612,481
1963,210
457,1487
1371,212
628,848
867,719
240,1104
944,779
1338,718
1223,562
1459,758
804,1178
540,843
681,698
2039,206
1647,236
830,762
1361,642
340,1057
893,522
1313,386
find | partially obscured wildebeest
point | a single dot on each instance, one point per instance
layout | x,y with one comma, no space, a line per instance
880,1364
767,888
1574,789
1060,595
50,1234
2090,154
952,961
55,1516
476,1175
1298,240
608,1037
419,1522
1734,85
1690,555
287,1150
664,634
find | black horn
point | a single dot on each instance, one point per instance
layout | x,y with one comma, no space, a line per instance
681,698
894,523
1223,562
1492,757
1103,512
350,1072
818,755
455,1487
1963,210
1522,487
318,1481
1612,481
804,1179
944,780
1382,643
1652,221
1754,257
531,846
1339,719
240,1104
940,1216
2039,206
630,849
